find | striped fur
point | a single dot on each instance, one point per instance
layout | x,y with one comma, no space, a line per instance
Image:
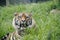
20,22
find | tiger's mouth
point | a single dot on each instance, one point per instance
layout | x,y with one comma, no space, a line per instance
23,25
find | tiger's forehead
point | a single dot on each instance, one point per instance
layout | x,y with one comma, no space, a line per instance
23,14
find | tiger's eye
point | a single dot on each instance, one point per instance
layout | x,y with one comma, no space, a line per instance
19,16
27,17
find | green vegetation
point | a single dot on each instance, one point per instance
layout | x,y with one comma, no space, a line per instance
57,3
48,24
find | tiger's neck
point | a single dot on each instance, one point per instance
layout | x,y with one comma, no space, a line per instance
20,32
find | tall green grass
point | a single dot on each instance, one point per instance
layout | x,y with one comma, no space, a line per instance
48,25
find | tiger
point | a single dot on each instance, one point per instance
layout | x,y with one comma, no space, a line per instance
20,22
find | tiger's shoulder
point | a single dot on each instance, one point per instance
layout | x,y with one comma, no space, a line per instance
11,36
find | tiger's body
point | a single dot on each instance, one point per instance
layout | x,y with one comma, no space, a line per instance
12,36
20,22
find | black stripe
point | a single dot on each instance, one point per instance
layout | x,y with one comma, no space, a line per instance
5,37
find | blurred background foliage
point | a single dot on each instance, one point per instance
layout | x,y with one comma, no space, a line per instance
48,24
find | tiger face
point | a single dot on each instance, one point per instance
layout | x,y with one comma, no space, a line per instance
22,20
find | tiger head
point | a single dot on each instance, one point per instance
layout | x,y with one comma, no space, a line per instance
22,20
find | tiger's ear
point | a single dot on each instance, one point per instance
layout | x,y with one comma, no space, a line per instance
30,14
15,14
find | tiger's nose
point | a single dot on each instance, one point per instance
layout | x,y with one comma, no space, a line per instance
23,20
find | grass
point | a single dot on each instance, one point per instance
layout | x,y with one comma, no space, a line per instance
48,25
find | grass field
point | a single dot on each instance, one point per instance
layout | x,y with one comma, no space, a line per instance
48,24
